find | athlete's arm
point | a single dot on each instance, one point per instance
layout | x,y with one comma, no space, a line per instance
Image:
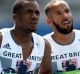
45,67
0,38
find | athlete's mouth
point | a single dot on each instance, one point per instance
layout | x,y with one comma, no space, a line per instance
66,22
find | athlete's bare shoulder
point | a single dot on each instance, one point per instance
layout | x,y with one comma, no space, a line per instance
45,67
0,38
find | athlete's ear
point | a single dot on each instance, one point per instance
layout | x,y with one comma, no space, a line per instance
14,17
49,21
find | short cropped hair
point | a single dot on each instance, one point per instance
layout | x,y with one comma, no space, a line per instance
18,6
49,5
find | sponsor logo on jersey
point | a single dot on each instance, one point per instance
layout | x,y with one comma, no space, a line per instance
7,46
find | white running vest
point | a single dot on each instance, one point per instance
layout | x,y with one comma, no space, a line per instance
65,58
11,54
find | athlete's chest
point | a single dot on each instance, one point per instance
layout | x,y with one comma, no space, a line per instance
65,58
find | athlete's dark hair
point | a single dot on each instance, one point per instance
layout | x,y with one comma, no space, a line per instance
18,6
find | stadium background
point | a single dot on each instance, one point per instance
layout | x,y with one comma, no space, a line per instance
43,28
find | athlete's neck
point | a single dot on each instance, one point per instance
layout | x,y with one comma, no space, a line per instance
64,39
21,37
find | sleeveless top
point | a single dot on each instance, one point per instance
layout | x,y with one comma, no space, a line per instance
11,56
65,58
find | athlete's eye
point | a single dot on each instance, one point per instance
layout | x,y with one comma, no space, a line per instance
58,13
37,12
67,10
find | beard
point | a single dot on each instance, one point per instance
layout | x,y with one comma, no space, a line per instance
63,30
31,30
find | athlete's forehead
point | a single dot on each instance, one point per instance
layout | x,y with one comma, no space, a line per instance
58,3
55,5
29,3
22,5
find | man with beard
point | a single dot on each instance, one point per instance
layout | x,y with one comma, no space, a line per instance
21,50
64,40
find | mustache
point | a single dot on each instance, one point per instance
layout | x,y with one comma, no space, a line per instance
63,21
66,20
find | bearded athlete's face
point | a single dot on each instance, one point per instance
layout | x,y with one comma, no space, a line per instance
61,17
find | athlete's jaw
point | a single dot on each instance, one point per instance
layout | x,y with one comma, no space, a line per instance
64,30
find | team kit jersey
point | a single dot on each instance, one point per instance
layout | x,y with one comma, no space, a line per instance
65,58
11,56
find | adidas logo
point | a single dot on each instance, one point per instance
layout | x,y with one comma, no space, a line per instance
7,46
